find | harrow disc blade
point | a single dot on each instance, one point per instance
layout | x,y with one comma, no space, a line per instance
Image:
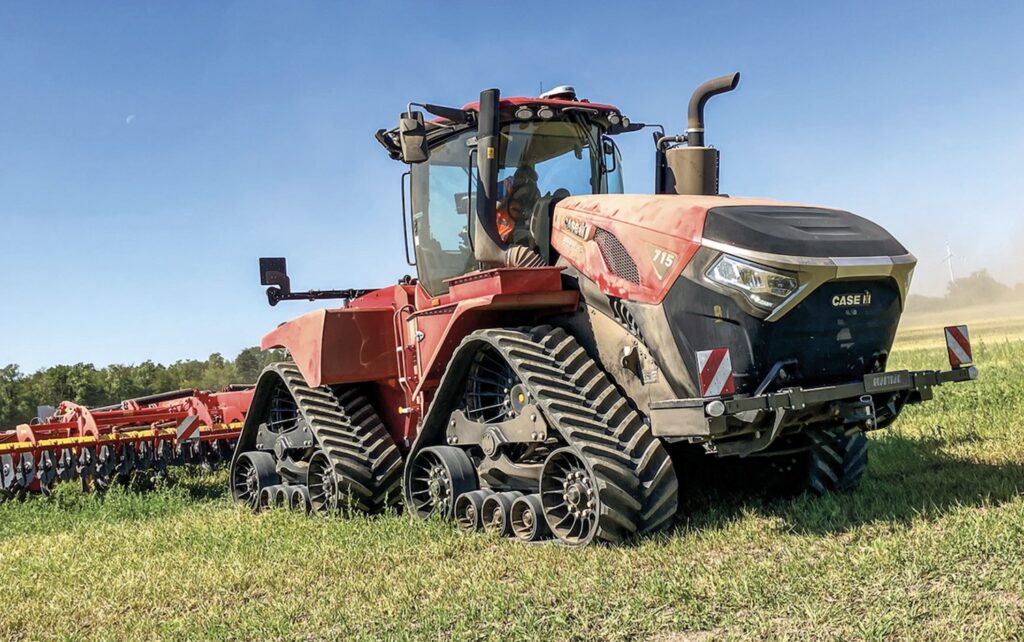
144,455
126,459
25,472
106,461
8,475
46,470
66,465
190,452
163,456
86,464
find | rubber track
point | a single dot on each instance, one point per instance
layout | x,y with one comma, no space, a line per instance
354,439
637,485
836,462
650,458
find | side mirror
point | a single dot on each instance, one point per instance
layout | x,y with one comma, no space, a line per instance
412,133
274,273
462,200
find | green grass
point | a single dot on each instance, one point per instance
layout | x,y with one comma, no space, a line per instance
931,546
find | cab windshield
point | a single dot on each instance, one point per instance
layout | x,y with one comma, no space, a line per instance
568,158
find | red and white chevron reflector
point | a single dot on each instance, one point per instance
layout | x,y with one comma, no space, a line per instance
715,368
958,345
188,429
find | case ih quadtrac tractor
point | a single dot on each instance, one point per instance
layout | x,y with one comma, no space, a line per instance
561,337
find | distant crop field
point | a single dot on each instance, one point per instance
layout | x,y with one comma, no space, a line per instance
930,546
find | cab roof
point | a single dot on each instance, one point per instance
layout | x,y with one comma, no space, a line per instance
515,109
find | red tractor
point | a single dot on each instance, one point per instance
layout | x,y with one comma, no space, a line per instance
561,338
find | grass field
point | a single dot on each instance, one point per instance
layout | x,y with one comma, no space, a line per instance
930,546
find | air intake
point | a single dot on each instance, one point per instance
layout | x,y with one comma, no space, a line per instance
616,257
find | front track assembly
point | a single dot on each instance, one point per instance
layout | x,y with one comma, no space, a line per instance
528,437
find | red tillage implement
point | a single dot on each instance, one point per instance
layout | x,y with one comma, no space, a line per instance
101,445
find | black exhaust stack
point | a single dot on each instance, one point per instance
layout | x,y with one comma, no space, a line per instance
487,246
693,169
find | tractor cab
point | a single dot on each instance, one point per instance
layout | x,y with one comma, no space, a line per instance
484,178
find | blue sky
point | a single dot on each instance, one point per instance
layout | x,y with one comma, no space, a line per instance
149,153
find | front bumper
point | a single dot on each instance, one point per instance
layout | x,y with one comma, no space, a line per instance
873,402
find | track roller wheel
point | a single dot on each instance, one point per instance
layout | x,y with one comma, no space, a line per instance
527,518
253,472
496,512
468,507
298,499
439,475
268,497
282,496
570,497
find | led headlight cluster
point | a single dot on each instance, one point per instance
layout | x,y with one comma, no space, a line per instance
764,287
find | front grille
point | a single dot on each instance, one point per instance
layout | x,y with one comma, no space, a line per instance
616,256
833,343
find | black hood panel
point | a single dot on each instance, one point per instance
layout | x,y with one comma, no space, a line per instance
799,231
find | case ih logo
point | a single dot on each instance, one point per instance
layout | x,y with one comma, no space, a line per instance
577,227
850,300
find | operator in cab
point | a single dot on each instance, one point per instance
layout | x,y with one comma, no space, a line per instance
517,195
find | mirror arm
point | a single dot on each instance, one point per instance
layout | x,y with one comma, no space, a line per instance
276,295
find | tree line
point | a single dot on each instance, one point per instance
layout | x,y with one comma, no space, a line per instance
84,383
977,288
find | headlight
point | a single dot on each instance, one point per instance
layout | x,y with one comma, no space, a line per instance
764,287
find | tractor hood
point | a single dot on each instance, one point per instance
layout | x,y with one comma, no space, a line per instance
635,247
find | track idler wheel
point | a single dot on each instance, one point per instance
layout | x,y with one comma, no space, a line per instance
569,497
468,509
326,496
527,518
253,472
439,475
496,512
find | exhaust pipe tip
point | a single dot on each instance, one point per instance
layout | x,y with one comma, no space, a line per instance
700,97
